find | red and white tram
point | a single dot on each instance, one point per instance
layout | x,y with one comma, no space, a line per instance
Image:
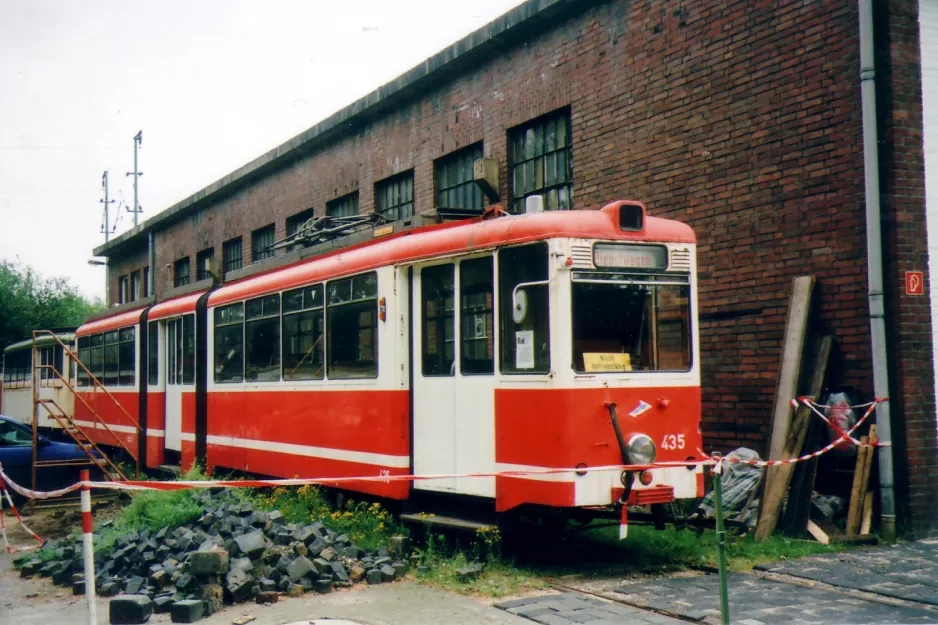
480,346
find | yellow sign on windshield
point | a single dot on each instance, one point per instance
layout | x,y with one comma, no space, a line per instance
599,362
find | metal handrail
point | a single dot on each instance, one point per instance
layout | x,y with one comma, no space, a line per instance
69,425
97,383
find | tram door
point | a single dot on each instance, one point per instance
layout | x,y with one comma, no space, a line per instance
180,373
454,357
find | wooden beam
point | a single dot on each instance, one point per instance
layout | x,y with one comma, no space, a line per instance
790,370
778,478
818,533
867,522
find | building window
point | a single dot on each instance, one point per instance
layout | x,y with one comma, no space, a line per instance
146,282
181,272
295,221
394,197
261,240
344,206
135,292
541,162
201,263
123,289
352,318
231,254
455,188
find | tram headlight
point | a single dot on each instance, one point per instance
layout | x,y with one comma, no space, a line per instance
641,449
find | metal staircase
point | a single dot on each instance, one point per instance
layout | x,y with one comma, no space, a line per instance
96,456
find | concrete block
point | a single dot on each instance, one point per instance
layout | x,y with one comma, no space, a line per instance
130,610
188,611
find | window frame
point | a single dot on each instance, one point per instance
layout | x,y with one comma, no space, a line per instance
180,279
350,199
217,313
293,222
490,323
443,185
257,242
123,289
394,195
305,309
519,154
228,260
331,364
201,263
265,317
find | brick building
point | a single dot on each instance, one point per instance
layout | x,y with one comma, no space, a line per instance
743,119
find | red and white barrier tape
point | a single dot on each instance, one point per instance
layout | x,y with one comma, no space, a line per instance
870,408
3,532
136,485
16,513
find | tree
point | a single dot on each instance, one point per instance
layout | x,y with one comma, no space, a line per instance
30,302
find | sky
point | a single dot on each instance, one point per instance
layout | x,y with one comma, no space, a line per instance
212,84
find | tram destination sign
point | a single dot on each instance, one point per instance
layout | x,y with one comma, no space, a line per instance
619,256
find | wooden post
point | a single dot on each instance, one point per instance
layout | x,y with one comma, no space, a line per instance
861,478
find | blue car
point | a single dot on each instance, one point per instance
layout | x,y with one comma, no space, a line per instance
16,455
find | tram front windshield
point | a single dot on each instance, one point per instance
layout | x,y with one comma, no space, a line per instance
636,324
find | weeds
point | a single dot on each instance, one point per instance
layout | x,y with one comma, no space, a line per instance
369,525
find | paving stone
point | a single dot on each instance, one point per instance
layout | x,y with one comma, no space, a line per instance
374,576
214,561
252,544
188,611
469,573
399,547
163,604
299,568
130,610
213,596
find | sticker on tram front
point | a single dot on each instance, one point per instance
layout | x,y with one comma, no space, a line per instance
640,409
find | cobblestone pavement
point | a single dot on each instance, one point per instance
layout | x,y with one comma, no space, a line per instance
574,608
756,601
907,572
904,571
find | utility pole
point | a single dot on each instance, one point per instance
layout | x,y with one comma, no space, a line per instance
106,228
138,141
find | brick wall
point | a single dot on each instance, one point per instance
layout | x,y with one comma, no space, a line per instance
909,328
123,265
741,118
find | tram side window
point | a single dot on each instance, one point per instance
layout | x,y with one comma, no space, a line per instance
126,358
262,339
303,334
111,358
438,318
229,343
96,357
476,321
352,312
17,367
84,355
525,331
188,349
153,353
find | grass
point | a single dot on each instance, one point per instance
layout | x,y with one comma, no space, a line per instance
650,550
441,560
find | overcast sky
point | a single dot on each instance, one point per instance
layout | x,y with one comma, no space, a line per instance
213,84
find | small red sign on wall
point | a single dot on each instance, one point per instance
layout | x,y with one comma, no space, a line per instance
915,283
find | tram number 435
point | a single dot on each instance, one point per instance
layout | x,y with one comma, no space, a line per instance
672,441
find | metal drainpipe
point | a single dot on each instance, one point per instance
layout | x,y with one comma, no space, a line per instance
151,239
874,247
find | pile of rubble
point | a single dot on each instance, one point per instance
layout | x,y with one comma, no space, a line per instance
232,554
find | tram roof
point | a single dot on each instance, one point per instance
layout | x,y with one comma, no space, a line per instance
454,238
41,341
